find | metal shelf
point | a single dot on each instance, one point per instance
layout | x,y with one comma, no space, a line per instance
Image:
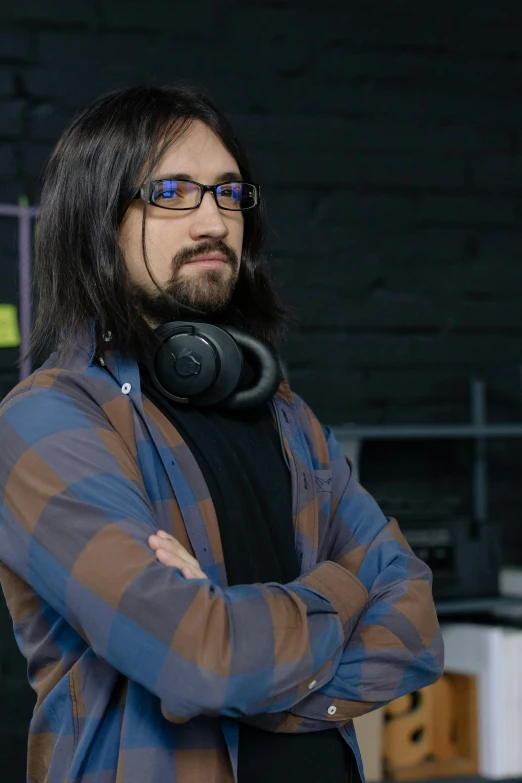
478,430
350,432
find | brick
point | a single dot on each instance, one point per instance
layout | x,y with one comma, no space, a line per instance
193,19
384,388
47,121
425,246
361,293
71,87
35,159
11,117
8,249
9,272
340,66
421,70
483,281
307,169
360,350
500,248
438,140
298,167
348,401
8,246
411,386
80,81
9,193
412,172
326,308
383,24
6,81
15,45
60,11
326,134
63,48
407,246
500,173
333,207
343,243
449,30
365,102
8,243
7,162
466,210
358,275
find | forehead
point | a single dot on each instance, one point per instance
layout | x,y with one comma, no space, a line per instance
199,154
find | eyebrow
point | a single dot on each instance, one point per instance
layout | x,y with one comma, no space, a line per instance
226,176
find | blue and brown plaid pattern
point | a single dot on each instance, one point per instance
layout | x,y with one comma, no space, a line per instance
141,674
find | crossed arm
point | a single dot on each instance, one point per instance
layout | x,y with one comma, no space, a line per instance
394,647
75,525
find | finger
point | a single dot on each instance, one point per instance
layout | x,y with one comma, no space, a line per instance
161,535
164,534
172,560
157,540
192,573
168,544
171,545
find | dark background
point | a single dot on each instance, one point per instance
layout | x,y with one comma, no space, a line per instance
387,136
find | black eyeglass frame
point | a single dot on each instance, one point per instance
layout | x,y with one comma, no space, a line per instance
148,197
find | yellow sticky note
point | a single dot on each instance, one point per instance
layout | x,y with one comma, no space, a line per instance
9,331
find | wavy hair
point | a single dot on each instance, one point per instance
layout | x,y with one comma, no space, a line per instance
80,272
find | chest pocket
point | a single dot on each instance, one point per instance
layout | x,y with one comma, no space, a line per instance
323,481
323,493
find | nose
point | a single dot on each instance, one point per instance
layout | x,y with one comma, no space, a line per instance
208,220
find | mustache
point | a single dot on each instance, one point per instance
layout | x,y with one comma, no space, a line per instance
186,254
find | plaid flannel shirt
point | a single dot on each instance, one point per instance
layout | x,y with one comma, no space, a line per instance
143,675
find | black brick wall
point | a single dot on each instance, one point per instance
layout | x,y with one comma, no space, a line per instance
387,136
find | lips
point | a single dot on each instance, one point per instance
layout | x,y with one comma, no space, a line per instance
211,258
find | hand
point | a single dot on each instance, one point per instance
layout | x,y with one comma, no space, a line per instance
171,553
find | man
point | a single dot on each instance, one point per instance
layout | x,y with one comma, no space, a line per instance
202,592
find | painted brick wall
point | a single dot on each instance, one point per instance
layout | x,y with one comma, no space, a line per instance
387,136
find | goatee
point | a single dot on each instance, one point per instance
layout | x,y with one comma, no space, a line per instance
204,295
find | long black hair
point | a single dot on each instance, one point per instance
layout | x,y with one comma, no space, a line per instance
91,177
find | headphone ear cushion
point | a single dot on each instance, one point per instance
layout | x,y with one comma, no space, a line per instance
269,370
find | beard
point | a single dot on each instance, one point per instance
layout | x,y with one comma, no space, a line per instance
187,298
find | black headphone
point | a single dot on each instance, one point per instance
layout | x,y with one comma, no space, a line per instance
202,364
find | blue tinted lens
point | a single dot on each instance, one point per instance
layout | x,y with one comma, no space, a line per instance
175,193
236,195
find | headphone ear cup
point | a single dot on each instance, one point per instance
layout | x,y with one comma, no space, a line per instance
197,363
269,370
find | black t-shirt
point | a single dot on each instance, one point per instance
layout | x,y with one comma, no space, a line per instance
239,454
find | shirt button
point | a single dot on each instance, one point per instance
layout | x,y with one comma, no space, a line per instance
312,685
332,710
126,388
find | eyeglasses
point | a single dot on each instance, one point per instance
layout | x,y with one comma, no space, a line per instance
185,194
